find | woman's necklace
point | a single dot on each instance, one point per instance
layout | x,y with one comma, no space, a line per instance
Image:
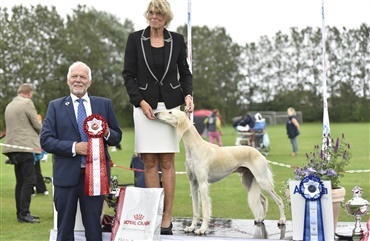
157,42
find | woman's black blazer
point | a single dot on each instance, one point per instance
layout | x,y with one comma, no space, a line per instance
138,71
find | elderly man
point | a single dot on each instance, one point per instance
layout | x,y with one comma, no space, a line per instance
64,135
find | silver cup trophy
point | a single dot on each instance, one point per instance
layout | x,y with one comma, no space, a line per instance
358,207
112,197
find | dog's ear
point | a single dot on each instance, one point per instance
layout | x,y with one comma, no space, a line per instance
183,124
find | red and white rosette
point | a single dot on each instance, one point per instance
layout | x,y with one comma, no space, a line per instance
96,177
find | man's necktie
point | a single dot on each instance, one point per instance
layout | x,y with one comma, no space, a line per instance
81,116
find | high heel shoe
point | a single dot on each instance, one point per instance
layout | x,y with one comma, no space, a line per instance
167,231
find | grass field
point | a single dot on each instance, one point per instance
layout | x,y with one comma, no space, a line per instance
228,196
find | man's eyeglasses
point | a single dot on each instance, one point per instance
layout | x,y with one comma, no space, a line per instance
151,14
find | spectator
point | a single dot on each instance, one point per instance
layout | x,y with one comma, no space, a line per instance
292,127
40,184
22,129
214,129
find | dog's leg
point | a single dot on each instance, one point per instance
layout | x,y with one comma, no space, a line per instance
266,184
280,204
194,188
206,207
265,203
257,202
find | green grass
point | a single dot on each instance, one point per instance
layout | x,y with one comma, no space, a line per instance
228,196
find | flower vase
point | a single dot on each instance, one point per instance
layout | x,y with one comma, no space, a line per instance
337,196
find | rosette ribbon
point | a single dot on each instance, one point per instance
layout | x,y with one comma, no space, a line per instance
96,176
311,188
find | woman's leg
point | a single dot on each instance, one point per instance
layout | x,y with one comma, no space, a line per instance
218,138
294,145
211,136
167,162
151,161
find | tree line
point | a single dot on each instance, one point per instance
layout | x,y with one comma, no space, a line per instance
38,45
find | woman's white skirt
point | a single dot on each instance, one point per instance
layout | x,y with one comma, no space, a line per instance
153,136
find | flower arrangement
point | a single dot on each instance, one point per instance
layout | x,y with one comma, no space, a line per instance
327,161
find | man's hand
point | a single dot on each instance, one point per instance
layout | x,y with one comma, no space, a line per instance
81,148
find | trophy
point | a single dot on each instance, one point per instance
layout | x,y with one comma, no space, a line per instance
112,197
357,207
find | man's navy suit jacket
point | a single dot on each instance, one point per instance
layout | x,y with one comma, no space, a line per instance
60,131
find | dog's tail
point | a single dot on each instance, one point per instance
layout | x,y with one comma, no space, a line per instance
257,202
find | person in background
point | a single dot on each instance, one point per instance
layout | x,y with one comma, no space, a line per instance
115,148
293,128
23,129
157,77
260,123
62,135
246,125
259,130
40,184
213,124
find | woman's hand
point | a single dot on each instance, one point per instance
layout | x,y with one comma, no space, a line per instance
189,105
147,110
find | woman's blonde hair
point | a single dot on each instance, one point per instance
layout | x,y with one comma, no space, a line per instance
291,111
163,7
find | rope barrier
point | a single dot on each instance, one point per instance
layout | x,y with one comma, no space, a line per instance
290,166
140,170
180,173
21,147
357,171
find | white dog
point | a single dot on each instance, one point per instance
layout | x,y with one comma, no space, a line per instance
208,163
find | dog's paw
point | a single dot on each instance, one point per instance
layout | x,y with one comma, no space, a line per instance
200,231
189,229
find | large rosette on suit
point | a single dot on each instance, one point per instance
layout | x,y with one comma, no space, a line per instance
96,178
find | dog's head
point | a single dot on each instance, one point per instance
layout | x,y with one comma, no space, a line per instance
175,118
172,117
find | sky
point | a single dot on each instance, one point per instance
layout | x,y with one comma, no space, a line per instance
244,20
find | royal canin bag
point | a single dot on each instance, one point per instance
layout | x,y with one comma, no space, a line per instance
139,214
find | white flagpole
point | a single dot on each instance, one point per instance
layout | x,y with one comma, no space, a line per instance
190,53
326,124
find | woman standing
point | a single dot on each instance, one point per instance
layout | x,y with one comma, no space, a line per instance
292,127
157,77
214,128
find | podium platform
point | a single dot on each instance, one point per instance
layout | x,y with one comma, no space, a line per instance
230,229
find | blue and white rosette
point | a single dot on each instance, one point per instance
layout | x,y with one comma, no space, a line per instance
312,188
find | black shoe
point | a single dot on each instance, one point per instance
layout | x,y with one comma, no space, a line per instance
35,216
8,161
167,231
27,219
32,215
